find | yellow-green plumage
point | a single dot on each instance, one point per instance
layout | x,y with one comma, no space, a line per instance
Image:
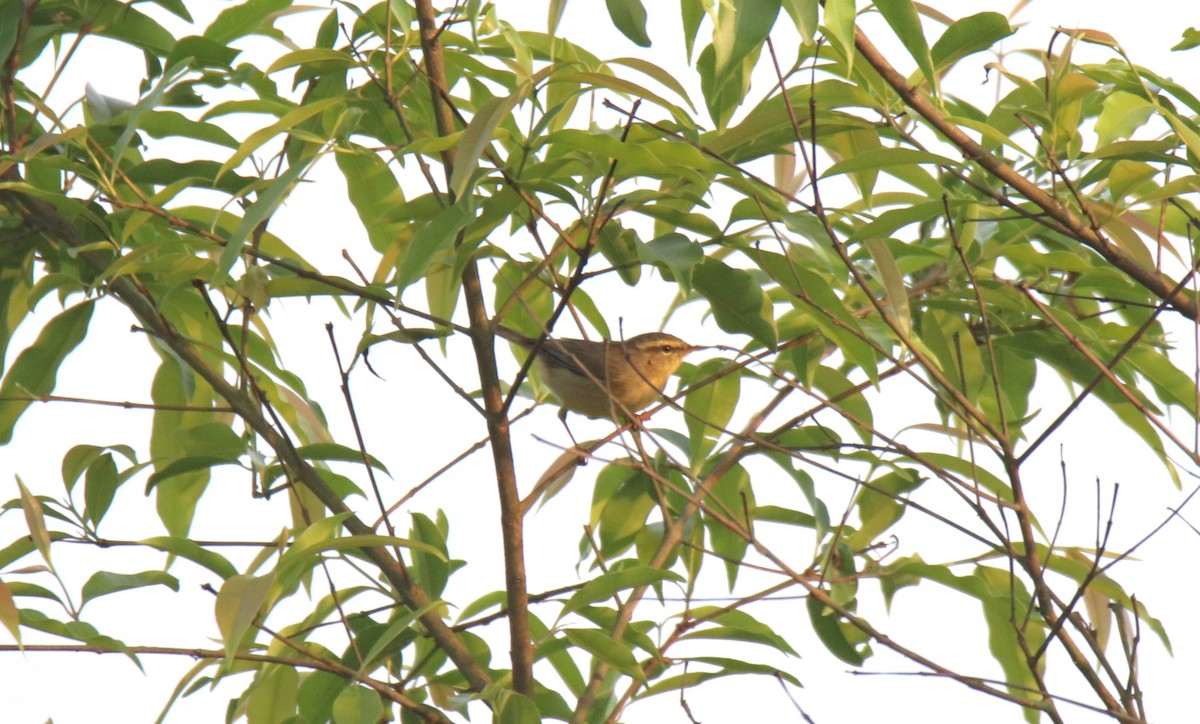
608,379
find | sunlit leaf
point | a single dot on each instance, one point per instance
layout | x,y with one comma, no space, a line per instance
357,705
239,605
609,584
969,35
9,615
476,138
902,16
602,646
35,520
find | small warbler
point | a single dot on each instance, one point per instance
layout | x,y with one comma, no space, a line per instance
606,379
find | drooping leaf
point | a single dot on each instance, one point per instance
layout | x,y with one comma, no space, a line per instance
476,138
239,604
102,583
35,371
902,16
630,18
969,35
604,587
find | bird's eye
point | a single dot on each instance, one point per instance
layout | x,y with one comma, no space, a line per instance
667,349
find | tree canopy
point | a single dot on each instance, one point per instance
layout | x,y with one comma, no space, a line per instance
250,317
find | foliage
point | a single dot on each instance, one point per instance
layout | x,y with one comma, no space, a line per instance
854,231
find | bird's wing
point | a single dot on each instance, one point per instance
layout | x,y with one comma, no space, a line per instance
570,354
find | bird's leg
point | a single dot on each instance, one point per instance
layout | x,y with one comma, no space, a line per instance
562,416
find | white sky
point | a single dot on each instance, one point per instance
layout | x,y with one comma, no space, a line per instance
78,688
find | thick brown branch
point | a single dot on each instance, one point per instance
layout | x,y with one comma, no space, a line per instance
511,519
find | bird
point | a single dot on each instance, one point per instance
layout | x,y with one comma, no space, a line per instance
606,379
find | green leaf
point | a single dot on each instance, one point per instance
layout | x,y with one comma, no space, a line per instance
737,300
895,292
740,30
629,16
185,548
1191,39
11,17
621,502
100,485
268,201
184,465
173,387
239,603
902,16
830,631
435,236
725,667
395,628
969,472
317,692
357,705
102,583
518,709
885,158
725,625
554,16
967,36
334,451
172,124
476,138
16,550
244,19
692,13
709,408
619,246
605,586
77,460
832,316
272,698
213,438
676,253
290,120
9,615
35,371
1122,114
602,646
304,553
431,571
733,496
117,20
807,17
374,192
326,58
204,52
618,84
892,220
722,94
658,73
148,102
35,520
1004,641
881,504
839,22
1186,132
